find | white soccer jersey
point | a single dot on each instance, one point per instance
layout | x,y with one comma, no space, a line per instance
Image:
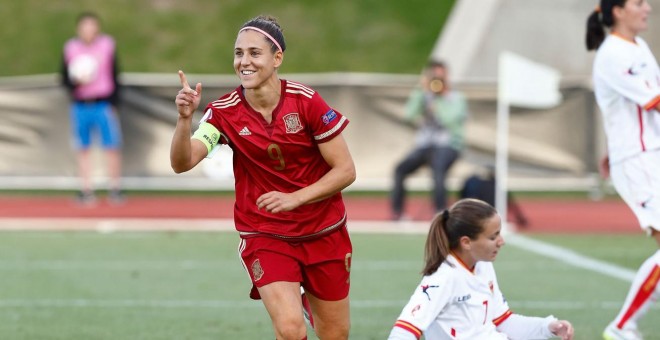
456,303
627,86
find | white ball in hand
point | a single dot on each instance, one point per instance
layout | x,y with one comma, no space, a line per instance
83,68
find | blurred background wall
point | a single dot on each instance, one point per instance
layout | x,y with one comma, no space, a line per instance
553,149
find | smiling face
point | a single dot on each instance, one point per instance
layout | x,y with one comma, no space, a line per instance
486,246
632,17
254,62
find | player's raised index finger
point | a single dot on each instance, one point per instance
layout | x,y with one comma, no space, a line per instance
184,81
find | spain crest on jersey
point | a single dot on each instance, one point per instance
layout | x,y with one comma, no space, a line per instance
292,122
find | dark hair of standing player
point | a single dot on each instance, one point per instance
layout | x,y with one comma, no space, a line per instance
600,18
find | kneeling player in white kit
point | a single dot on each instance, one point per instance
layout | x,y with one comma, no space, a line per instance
459,297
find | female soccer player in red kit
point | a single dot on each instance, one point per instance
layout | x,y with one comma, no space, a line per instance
290,164
626,80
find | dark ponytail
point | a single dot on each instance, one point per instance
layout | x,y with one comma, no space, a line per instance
465,218
595,31
600,18
437,245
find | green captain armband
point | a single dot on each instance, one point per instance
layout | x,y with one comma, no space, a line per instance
209,135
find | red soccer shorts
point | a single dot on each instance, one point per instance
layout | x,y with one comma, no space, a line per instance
322,265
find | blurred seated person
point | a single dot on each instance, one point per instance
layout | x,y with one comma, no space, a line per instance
441,113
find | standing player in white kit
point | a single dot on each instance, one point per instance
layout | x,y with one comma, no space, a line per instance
627,86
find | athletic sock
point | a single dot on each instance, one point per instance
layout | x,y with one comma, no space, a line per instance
643,292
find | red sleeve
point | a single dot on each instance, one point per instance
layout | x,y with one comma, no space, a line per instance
325,122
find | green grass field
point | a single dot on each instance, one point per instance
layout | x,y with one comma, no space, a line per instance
198,35
190,285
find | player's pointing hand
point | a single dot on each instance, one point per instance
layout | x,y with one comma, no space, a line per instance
187,100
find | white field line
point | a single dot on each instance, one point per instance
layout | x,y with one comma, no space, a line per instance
195,264
105,226
232,304
570,257
78,265
109,225
144,224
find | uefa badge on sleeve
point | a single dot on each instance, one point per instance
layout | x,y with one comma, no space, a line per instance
329,117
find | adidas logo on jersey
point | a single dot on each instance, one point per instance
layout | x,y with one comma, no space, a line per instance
245,131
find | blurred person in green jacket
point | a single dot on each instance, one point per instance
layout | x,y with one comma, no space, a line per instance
441,113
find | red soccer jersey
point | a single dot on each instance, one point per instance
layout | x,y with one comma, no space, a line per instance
279,156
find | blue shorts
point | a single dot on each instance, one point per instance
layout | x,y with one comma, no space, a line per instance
91,119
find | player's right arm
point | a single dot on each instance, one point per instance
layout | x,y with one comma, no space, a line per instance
186,153
424,306
657,107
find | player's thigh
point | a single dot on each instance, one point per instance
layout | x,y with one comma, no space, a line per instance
412,162
282,301
637,181
331,318
276,274
443,158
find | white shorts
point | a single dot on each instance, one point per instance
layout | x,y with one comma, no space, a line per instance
637,180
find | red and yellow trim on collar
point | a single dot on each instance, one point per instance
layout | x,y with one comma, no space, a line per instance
409,327
624,38
458,259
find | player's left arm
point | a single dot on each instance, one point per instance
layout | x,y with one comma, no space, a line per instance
342,174
657,107
517,326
